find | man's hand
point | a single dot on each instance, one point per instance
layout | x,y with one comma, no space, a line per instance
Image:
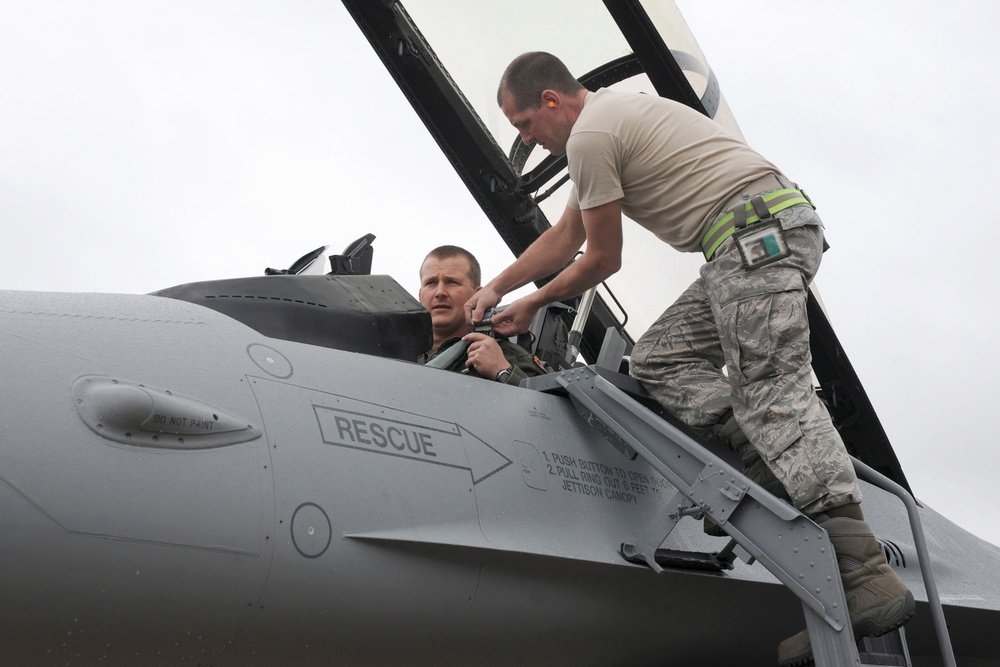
515,318
485,355
484,299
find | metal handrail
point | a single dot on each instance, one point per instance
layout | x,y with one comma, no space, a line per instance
872,476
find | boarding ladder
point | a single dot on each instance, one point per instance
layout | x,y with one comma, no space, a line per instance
792,547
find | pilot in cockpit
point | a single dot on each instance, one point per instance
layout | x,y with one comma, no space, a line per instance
449,276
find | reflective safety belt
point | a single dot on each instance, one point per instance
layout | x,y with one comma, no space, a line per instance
744,215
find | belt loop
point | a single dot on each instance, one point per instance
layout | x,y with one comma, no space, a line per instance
760,208
740,216
806,197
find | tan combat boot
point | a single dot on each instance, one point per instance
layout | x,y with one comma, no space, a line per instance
877,599
729,432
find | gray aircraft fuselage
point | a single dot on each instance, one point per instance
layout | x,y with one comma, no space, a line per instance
177,488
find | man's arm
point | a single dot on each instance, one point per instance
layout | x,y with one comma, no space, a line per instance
602,228
522,363
549,253
484,355
488,356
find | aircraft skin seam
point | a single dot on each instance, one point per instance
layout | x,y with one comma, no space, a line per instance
264,298
119,538
100,317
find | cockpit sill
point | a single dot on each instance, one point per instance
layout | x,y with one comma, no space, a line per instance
356,313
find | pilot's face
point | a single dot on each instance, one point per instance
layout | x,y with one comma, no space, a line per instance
542,125
445,286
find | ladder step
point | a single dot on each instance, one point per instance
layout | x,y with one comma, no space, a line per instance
889,649
876,659
684,560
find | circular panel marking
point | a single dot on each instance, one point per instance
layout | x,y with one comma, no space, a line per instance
270,361
311,531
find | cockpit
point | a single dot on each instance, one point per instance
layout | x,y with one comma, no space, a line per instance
349,309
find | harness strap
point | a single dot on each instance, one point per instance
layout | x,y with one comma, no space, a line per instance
748,213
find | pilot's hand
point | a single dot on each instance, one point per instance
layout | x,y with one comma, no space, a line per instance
485,355
515,318
484,299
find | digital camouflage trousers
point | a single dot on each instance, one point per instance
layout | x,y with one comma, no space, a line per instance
754,324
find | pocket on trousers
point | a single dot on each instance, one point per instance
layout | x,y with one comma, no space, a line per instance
768,330
781,432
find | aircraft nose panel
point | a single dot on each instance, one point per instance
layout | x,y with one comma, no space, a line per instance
135,414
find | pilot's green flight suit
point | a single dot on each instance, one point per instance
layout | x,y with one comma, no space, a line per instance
523,363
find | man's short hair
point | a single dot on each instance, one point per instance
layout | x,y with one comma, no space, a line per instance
449,251
530,73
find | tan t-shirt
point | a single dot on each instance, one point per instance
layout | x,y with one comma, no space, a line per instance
672,168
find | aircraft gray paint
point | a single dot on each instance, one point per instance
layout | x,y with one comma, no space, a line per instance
181,487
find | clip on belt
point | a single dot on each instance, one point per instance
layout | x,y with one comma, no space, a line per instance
747,214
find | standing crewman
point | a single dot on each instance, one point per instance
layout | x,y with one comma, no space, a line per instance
699,188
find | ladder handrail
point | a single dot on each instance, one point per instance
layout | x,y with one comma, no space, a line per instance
869,474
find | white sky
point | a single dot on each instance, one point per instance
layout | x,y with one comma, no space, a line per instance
144,145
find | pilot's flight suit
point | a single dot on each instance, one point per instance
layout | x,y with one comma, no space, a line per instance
523,364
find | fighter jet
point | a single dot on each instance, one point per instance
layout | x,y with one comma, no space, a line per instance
255,471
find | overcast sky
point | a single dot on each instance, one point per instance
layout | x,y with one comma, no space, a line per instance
144,145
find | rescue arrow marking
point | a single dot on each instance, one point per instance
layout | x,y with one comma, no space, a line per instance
356,425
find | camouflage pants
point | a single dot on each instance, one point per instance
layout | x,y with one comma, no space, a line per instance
753,323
